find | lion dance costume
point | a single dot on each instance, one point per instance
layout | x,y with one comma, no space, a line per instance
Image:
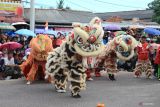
121,47
143,64
40,46
67,62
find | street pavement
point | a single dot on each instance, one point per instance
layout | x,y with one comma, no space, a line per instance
127,91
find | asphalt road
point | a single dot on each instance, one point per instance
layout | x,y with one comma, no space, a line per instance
127,91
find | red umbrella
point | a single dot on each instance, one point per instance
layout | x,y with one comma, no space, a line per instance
10,46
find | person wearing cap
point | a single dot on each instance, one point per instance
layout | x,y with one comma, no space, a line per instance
143,64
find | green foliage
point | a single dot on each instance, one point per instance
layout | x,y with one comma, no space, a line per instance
60,4
155,6
67,7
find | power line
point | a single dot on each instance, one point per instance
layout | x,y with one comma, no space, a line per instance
116,4
80,6
27,2
71,12
39,4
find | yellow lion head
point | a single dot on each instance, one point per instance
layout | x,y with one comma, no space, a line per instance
87,38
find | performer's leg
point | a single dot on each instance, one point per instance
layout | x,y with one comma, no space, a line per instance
60,81
111,74
77,84
42,73
31,75
88,72
138,69
78,78
97,72
155,70
112,69
158,72
149,69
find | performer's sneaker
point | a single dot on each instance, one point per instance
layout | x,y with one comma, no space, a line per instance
28,83
137,74
61,91
111,77
76,96
90,79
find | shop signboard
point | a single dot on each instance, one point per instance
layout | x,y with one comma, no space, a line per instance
11,9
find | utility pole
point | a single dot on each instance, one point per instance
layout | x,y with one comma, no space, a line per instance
32,15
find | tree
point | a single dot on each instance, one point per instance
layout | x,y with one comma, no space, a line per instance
51,7
67,7
60,4
155,6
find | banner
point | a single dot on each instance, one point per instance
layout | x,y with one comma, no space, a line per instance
13,9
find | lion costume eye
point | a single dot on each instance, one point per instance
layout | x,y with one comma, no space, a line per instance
79,40
120,48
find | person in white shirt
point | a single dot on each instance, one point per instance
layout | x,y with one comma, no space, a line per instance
9,60
9,63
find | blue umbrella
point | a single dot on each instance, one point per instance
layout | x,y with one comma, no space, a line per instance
11,33
152,31
50,32
25,32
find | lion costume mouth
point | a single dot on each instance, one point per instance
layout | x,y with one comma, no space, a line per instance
125,48
125,55
91,50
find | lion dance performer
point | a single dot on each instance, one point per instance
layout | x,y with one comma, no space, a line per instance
67,62
40,46
143,64
121,47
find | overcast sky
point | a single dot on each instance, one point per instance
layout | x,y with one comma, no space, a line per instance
97,5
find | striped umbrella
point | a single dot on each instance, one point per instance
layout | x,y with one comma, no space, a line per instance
7,26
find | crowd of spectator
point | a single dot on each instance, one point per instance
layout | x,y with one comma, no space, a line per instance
10,59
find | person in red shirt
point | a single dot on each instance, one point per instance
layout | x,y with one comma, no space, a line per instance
143,64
